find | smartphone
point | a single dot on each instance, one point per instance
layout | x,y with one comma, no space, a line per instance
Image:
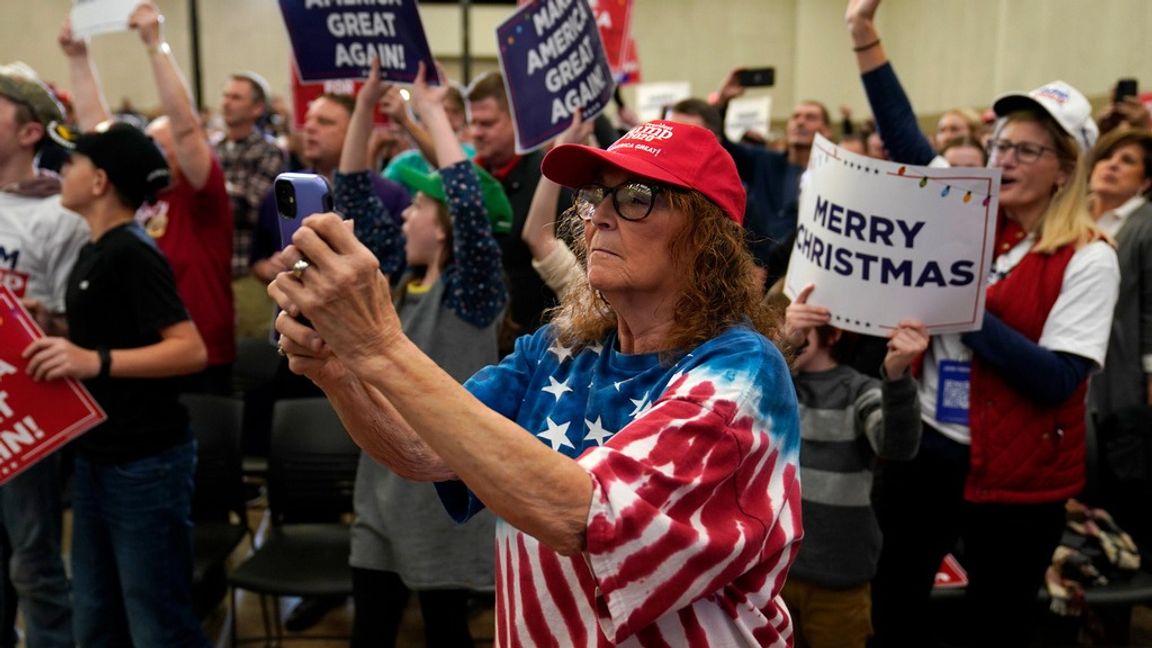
298,196
750,77
1125,88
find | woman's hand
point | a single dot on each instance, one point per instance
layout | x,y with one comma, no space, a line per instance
52,358
905,342
342,292
307,353
801,317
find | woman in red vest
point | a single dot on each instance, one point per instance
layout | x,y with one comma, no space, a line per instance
1003,407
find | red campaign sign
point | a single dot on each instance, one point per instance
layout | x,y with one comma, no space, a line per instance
305,93
614,20
36,418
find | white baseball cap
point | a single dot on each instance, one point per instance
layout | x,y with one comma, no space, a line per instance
1064,103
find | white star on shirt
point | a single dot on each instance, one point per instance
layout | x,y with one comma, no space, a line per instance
642,405
596,348
596,432
557,435
562,352
556,388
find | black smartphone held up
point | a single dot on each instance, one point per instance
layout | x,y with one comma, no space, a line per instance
751,77
1125,88
298,196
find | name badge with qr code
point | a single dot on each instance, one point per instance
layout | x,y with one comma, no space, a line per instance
954,379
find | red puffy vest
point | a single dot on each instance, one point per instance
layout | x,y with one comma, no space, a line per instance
1024,452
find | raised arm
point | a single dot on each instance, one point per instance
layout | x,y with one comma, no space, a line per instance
540,226
890,105
429,102
192,151
354,155
354,195
394,105
87,97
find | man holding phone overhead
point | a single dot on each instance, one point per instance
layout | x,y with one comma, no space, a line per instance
772,178
1125,109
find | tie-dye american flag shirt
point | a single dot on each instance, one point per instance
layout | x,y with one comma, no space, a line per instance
695,512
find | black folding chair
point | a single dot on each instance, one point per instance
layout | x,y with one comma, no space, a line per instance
311,473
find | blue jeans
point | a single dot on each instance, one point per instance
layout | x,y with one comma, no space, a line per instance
30,509
132,552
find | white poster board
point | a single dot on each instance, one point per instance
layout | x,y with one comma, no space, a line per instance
884,242
91,17
653,98
748,114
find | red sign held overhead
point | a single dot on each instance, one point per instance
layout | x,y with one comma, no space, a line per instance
36,418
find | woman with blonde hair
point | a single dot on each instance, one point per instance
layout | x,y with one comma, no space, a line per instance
1003,407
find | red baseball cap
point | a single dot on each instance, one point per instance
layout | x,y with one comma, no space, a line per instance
680,155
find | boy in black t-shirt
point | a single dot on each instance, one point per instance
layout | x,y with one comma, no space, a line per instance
128,337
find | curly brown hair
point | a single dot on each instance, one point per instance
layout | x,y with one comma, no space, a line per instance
721,291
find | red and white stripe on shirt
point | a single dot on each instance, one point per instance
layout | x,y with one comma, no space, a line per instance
694,521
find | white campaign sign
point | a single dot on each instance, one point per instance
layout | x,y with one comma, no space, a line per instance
653,98
884,242
91,17
748,114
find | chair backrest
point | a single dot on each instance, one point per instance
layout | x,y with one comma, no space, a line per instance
217,424
256,363
311,463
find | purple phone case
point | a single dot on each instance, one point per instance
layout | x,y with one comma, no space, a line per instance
311,194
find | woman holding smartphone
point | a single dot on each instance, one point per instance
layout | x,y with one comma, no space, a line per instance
450,298
996,466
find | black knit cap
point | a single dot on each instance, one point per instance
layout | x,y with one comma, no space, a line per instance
133,162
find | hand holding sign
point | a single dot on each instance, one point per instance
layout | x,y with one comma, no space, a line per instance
72,45
146,19
578,132
905,342
53,358
801,317
37,417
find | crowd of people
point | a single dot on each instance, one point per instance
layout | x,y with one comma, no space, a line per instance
633,442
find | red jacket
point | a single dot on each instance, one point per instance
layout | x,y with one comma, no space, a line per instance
1024,452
